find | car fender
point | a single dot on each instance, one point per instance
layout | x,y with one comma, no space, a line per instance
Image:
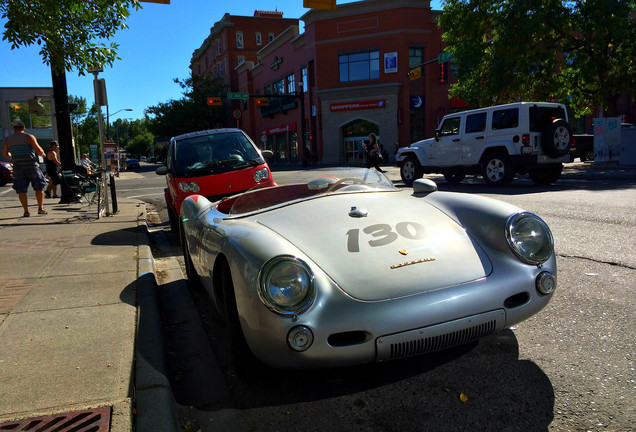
419,149
510,146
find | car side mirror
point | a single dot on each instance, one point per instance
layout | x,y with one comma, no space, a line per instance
421,186
162,170
436,133
267,154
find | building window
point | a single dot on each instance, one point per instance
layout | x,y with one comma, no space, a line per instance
291,84
279,87
270,37
239,40
303,75
416,57
221,69
359,67
259,38
218,47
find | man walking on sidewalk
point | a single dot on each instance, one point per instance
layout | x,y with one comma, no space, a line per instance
23,149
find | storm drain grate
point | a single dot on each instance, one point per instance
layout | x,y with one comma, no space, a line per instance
94,420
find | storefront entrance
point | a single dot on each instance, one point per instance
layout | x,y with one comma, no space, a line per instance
354,134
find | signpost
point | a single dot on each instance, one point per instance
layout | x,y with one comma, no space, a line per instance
444,57
235,95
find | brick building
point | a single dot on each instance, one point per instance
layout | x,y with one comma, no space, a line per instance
346,75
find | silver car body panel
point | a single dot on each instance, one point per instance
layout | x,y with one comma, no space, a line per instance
359,294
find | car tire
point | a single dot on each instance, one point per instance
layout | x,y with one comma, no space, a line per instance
556,139
547,174
245,364
454,177
174,221
497,169
193,278
410,170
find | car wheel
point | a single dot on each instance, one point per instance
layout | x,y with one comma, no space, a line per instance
245,364
172,217
556,139
497,169
193,278
410,170
547,175
455,177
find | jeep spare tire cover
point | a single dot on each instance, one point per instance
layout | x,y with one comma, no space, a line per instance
556,139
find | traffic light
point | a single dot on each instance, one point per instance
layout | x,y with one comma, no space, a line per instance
262,101
214,101
443,72
415,73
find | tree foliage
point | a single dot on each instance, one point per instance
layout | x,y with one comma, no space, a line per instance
71,33
580,52
191,112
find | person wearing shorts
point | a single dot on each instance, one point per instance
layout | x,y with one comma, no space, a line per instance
23,149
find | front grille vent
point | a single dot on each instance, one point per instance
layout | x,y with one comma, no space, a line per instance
441,342
440,336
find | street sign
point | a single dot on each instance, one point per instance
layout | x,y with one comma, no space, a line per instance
444,57
234,95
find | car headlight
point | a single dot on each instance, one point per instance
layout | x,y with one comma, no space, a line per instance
261,174
529,238
287,285
189,187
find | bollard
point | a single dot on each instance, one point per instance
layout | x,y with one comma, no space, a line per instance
113,193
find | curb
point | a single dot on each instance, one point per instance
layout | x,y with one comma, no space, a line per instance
154,402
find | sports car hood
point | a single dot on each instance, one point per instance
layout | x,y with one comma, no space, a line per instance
379,246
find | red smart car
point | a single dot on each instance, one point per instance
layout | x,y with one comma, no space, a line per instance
214,163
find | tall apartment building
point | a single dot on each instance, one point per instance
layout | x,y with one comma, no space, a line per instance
234,40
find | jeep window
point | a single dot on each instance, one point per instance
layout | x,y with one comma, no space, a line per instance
450,126
541,117
505,119
476,123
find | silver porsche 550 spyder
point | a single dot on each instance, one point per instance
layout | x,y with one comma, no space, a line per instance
346,268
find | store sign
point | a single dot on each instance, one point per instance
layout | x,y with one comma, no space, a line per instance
350,106
289,127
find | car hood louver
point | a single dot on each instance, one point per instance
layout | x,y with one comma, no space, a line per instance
401,247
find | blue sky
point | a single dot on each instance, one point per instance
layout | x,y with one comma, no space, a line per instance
155,49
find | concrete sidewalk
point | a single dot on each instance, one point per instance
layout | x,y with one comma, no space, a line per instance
79,325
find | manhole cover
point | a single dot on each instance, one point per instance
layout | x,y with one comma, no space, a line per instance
94,420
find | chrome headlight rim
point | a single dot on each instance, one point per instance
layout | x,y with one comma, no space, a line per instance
264,278
538,256
261,174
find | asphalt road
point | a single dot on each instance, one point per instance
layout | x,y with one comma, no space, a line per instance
569,368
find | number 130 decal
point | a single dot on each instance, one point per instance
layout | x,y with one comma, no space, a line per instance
383,234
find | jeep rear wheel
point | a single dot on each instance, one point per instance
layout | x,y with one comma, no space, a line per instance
410,170
546,175
497,169
556,139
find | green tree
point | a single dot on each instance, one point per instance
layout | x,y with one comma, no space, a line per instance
141,144
191,112
71,33
580,52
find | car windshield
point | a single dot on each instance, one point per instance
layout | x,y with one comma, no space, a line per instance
318,183
213,154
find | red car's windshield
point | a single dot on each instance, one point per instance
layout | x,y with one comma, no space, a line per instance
214,153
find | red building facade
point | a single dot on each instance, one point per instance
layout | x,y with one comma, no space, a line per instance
345,76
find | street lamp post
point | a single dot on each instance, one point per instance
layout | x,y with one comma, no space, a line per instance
108,131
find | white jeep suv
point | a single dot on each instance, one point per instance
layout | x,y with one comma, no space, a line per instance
496,142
